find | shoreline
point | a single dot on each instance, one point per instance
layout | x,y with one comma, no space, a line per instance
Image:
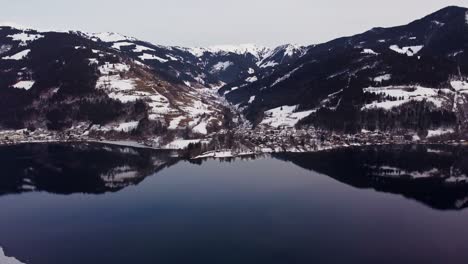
230,153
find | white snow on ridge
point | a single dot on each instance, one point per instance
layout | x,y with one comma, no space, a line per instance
25,38
146,56
107,37
140,48
286,76
8,260
251,79
381,78
119,45
232,89
252,99
369,51
221,66
293,48
257,51
25,85
284,116
409,51
18,56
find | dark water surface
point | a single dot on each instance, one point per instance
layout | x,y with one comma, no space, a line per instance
89,203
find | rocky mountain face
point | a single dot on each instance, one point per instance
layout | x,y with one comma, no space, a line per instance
405,77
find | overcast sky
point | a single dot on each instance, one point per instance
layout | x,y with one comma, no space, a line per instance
213,22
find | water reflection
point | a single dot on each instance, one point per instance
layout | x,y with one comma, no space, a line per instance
434,175
77,168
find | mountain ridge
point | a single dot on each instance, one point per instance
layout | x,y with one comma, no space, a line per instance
411,77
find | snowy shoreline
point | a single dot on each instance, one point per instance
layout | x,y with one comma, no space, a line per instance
229,153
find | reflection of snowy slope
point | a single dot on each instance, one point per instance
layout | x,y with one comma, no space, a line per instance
7,260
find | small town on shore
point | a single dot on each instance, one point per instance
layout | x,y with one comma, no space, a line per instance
238,142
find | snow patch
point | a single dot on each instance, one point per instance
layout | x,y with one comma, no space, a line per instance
243,49
24,38
403,94
251,79
286,76
182,143
409,51
127,127
284,116
107,37
174,124
221,66
119,45
25,85
146,56
369,51
381,78
459,85
112,68
439,132
18,56
200,128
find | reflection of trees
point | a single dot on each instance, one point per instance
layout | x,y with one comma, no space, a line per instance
416,172
77,168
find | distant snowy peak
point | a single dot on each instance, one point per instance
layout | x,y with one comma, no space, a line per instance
107,37
282,53
257,51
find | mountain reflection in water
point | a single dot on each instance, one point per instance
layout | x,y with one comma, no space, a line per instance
436,176
77,168
433,175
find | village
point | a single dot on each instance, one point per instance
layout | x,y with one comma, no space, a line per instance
231,143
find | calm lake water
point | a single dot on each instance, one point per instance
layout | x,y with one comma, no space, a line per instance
90,203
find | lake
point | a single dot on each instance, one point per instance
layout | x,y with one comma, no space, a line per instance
93,203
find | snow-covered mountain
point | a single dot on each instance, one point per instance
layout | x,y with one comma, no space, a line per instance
106,83
411,77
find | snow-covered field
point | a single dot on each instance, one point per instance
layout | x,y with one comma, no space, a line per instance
405,94
284,116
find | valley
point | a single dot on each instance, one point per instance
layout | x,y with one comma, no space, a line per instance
402,84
